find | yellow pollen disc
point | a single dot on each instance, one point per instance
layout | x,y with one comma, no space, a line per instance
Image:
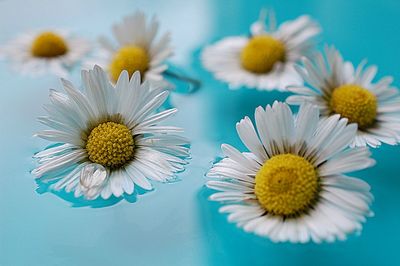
110,144
287,185
261,53
131,59
48,44
355,103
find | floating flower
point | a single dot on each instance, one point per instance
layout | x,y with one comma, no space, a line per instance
338,88
41,52
265,59
109,137
136,49
291,186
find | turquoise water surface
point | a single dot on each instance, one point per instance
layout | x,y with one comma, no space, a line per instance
176,224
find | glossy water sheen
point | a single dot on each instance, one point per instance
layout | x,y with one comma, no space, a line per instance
175,224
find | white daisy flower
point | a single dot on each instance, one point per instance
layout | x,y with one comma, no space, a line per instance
109,137
336,87
136,48
290,186
40,52
265,59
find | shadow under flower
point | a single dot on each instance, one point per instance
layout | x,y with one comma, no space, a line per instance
78,202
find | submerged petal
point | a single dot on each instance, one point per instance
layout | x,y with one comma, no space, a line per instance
92,179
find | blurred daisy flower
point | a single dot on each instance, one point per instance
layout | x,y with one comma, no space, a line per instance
291,185
336,87
109,140
136,48
265,59
41,52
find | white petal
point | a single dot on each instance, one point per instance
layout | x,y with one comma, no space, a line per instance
351,160
249,137
137,177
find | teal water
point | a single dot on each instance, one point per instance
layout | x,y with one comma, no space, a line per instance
175,224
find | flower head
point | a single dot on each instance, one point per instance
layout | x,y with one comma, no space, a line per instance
291,185
109,137
41,52
136,48
336,87
265,59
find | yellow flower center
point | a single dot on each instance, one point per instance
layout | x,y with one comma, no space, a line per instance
261,53
131,59
110,144
287,185
48,44
355,103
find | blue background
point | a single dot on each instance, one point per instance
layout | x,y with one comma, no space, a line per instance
176,224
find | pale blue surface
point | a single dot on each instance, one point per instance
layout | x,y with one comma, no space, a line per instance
175,224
